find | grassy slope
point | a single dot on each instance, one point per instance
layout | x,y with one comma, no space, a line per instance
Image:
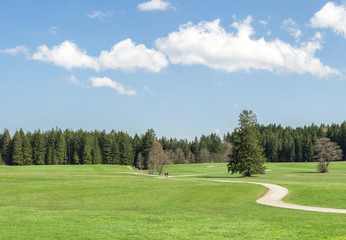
95,202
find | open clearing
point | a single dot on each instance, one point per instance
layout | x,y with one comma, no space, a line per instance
99,202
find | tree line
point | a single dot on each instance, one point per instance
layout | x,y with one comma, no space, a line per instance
98,147
280,144
297,145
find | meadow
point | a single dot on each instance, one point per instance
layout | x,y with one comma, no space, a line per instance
106,202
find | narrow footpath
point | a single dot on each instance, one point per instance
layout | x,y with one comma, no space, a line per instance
273,197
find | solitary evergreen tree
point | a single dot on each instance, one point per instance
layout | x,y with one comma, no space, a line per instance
247,157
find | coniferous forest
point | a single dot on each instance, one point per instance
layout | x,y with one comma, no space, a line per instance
281,144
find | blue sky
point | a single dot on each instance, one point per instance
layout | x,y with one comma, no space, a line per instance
183,68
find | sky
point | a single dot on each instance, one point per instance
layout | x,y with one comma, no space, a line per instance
183,68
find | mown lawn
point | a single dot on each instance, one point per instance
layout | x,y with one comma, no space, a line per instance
102,202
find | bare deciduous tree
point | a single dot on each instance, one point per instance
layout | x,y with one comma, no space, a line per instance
325,152
180,156
157,158
140,161
203,156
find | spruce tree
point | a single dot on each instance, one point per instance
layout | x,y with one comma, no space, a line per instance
76,159
147,143
87,156
38,148
6,147
60,148
26,147
96,152
17,150
247,156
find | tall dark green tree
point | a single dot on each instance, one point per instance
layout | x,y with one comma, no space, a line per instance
17,149
60,147
6,147
147,143
247,155
96,152
26,148
38,148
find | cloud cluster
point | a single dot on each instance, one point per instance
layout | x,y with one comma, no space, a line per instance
207,43
124,55
331,16
107,82
155,5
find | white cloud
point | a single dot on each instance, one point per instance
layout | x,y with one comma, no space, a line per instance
154,5
53,30
217,131
15,51
66,55
128,56
107,82
99,15
124,55
292,27
207,43
331,16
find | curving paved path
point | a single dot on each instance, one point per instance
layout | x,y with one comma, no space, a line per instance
273,197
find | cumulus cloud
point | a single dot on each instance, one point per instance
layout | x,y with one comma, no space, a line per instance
99,15
124,55
155,5
207,43
331,16
128,56
292,28
66,55
15,51
107,82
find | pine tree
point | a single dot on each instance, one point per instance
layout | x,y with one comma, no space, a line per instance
38,148
87,156
76,159
147,143
96,152
60,147
26,147
125,149
6,147
107,150
247,157
17,149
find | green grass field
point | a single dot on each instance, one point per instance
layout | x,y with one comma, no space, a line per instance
98,202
